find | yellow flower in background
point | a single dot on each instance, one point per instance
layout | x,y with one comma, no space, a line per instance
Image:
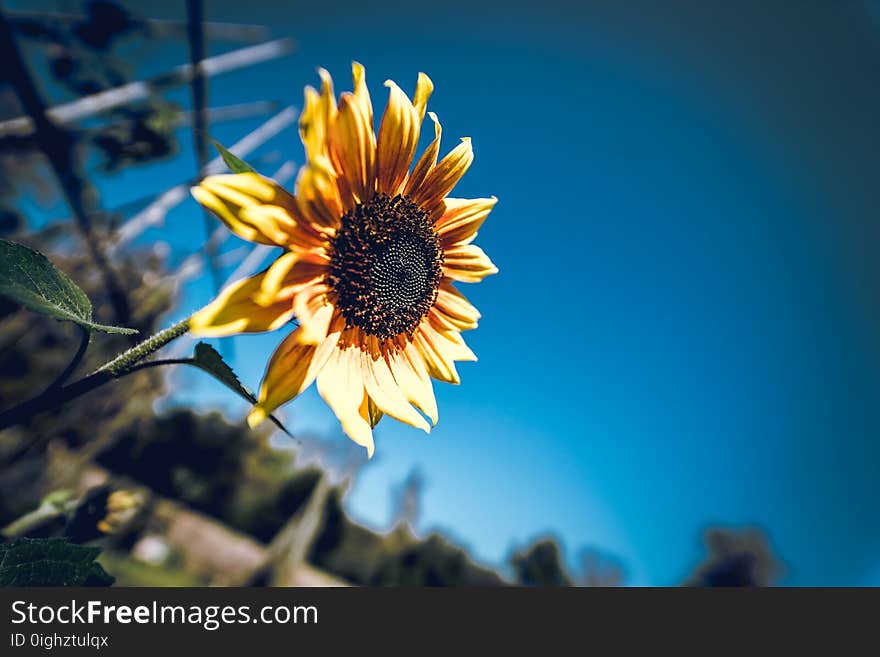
372,249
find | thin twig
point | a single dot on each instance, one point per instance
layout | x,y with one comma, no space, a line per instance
199,91
102,101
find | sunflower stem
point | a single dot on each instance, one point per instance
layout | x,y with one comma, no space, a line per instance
54,397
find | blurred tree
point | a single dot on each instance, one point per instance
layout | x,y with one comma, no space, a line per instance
540,565
406,501
736,558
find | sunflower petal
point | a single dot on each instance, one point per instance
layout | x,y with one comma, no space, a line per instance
291,370
398,139
317,196
237,200
384,391
353,147
319,112
430,350
467,263
361,93
313,312
340,384
427,161
424,88
235,310
414,382
461,219
455,307
444,176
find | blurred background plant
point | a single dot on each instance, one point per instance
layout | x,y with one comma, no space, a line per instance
175,496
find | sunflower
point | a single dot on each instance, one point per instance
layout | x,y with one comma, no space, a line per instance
372,246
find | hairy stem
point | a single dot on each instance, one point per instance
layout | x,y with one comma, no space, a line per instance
116,368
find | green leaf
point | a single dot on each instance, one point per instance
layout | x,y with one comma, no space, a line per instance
209,360
50,562
27,277
235,163
374,412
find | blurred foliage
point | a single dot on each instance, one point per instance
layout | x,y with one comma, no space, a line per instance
81,57
540,565
736,558
397,559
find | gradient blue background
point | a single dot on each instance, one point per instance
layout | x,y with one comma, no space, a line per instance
685,327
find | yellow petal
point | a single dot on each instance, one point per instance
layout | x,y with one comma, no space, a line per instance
235,310
361,93
237,199
414,382
274,278
398,139
384,391
340,384
317,196
313,312
444,176
424,87
290,273
427,161
319,112
430,350
454,305
453,310
290,371
467,263
450,343
353,147
461,219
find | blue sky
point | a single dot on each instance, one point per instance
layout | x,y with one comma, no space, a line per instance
684,329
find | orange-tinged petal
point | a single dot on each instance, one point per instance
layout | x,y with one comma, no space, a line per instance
450,343
361,93
313,312
353,147
319,112
467,263
341,385
236,310
317,196
444,176
455,307
414,383
384,391
436,362
461,219
427,161
424,87
398,139
291,370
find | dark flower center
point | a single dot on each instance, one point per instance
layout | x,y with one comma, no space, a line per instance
385,266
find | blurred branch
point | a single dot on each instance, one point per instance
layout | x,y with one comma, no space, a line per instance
288,550
60,149
230,112
154,214
156,27
199,91
89,106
